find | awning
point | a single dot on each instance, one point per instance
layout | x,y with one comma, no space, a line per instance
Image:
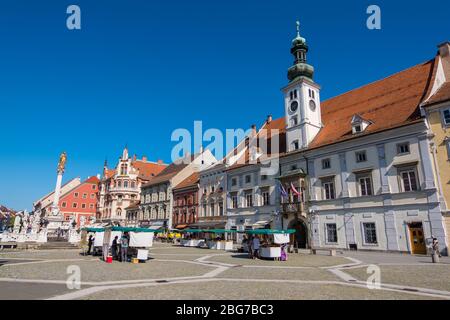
157,223
180,226
154,227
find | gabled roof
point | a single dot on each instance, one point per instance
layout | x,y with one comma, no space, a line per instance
441,95
190,181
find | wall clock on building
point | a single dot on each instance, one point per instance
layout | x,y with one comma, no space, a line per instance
294,106
312,105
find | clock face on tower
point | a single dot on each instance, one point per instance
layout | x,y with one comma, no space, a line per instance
312,105
294,106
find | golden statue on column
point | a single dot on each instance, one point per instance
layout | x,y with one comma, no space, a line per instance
62,162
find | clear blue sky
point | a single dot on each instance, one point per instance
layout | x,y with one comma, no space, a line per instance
138,69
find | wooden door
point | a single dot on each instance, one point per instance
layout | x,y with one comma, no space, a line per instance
417,240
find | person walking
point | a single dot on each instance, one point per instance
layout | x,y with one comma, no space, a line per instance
256,244
124,248
114,248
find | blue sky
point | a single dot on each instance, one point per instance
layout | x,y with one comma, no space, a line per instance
139,69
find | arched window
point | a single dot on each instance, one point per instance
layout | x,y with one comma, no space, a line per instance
125,184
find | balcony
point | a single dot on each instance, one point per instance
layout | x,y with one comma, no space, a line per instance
293,208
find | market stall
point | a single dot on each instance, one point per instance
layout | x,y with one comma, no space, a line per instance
218,240
273,242
97,233
192,238
140,240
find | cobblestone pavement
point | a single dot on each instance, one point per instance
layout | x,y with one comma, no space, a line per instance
175,272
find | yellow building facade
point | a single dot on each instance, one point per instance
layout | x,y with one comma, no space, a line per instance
436,109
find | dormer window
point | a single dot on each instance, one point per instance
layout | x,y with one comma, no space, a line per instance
359,124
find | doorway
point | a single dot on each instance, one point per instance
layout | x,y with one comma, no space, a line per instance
299,238
417,238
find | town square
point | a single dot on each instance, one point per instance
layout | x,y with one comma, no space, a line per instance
163,171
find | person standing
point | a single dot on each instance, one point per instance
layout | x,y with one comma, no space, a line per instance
90,243
114,247
124,248
256,244
435,252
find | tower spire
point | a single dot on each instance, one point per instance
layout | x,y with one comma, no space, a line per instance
299,49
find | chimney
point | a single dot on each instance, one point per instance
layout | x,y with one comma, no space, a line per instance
269,118
134,157
444,49
144,158
160,161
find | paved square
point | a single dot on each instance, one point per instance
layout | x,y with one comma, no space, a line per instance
175,272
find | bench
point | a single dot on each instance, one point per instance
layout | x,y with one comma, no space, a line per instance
331,251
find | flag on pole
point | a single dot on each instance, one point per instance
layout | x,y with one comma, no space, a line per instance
282,189
295,190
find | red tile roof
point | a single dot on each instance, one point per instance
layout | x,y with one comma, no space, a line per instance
93,180
388,103
167,174
190,181
276,129
148,170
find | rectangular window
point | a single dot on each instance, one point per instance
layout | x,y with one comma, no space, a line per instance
74,205
408,178
403,148
220,208
211,212
332,233
249,200
370,233
84,195
91,206
94,187
365,185
326,163
248,179
83,206
92,195
75,195
361,156
234,182
266,198
263,177
328,189
234,201
446,115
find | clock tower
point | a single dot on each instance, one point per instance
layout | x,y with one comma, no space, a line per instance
301,99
